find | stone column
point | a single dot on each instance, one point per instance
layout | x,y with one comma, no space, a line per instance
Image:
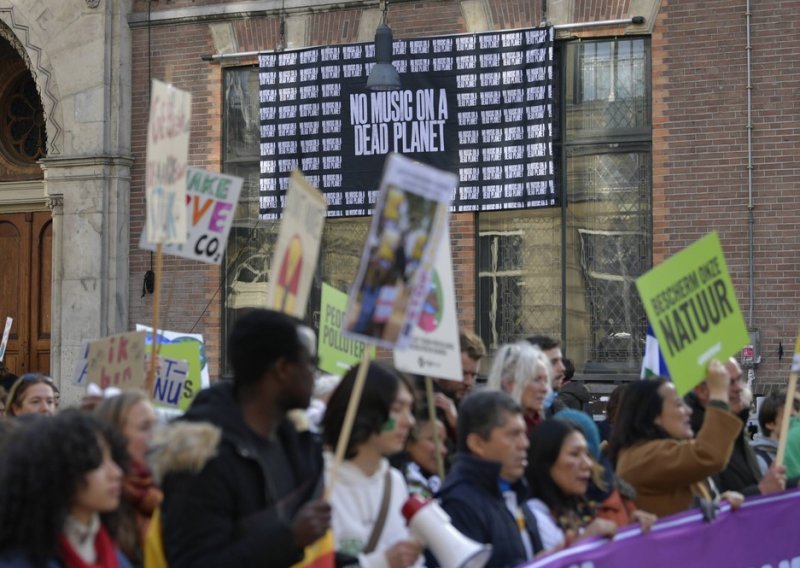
90,256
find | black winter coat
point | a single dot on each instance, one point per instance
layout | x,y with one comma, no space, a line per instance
227,515
471,497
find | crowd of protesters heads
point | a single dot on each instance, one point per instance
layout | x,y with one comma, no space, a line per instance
249,475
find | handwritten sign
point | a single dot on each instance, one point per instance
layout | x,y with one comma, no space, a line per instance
117,361
171,376
6,333
297,249
167,155
211,200
187,347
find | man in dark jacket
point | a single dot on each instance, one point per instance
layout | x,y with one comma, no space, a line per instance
573,394
742,473
484,491
255,503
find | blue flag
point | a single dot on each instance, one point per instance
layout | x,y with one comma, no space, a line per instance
653,364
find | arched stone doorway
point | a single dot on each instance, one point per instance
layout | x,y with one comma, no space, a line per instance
26,227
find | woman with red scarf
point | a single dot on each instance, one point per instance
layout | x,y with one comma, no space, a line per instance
61,480
132,414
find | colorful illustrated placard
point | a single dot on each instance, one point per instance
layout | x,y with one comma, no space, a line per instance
434,349
337,351
117,361
392,283
691,304
211,200
297,249
167,155
183,347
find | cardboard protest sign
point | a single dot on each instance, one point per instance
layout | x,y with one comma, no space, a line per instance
690,302
410,214
187,347
297,250
117,361
6,333
434,349
171,376
337,352
211,200
167,154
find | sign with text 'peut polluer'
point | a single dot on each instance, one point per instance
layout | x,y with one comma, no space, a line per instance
692,306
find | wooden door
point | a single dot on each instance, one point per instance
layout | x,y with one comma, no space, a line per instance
26,242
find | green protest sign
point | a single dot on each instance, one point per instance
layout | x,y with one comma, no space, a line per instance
187,350
337,352
692,306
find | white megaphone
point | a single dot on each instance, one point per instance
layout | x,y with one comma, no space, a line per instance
430,525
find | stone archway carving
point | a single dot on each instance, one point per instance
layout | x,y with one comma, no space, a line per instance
18,35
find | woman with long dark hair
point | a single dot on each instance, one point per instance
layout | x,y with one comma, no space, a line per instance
61,479
653,449
559,470
368,495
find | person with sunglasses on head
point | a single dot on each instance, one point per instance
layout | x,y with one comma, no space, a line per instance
32,393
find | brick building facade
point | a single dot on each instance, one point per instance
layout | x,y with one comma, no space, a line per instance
686,154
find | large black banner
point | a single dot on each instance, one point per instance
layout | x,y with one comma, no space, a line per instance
479,105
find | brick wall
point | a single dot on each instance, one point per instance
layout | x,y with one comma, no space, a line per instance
700,152
699,142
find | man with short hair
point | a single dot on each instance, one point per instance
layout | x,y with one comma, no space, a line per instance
484,491
552,350
451,393
255,503
573,394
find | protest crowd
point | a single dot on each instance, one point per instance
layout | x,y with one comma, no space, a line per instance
248,476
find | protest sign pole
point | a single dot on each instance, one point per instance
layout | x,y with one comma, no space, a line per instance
787,405
432,415
151,372
349,418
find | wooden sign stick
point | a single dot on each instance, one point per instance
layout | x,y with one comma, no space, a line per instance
151,372
432,416
349,418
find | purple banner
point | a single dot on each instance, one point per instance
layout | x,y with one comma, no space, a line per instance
763,533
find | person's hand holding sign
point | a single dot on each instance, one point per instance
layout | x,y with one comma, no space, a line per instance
718,381
774,480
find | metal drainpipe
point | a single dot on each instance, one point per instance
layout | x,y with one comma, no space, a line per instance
750,204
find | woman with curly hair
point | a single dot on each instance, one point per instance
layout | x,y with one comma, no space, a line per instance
132,414
32,393
59,476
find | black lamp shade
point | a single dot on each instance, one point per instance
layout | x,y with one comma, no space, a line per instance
384,76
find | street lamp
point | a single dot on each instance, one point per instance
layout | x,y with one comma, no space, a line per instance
383,76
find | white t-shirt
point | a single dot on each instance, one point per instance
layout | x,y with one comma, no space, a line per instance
355,503
550,533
